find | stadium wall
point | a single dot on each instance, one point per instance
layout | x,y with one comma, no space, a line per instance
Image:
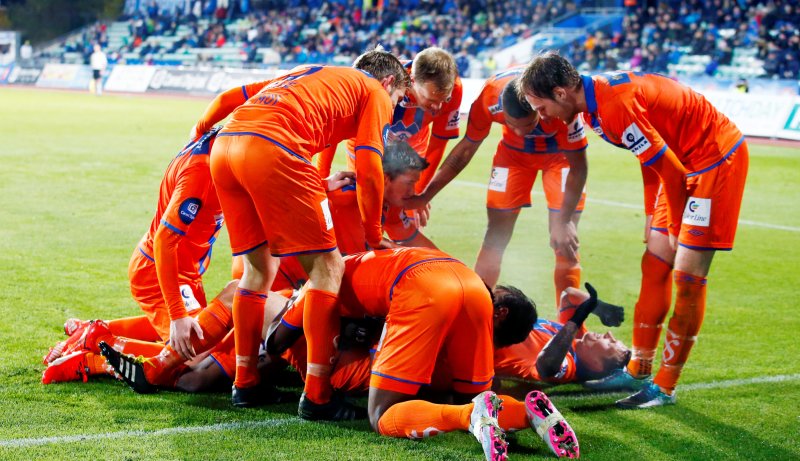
774,115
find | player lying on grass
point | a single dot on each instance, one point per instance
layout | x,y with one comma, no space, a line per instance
529,145
433,303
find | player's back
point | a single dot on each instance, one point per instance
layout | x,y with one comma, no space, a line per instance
198,219
309,108
370,278
631,102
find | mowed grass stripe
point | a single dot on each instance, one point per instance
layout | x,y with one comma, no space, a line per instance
271,423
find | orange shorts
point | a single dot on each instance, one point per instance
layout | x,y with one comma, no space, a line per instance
714,198
270,195
437,309
513,175
224,354
147,292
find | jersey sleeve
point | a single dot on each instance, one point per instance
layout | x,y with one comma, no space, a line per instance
638,135
374,123
479,123
225,103
446,123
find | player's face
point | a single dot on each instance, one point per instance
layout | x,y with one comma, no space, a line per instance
428,96
549,108
522,126
595,349
396,191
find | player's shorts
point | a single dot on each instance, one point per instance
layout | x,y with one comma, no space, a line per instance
96,74
270,195
513,175
714,198
147,292
224,355
437,308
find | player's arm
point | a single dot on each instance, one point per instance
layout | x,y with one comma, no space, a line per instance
224,104
673,178
564,236
549,361
373,123
433,154
651,185
325,160
456,161
187,199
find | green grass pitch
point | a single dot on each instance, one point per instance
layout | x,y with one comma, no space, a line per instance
79,178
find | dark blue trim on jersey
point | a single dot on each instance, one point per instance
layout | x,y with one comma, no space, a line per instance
479,383
219,364
290,326
656,157
733,149
308,252
411,266
398,379
249,250
444,137
588,91
530,148
172,228
244,93
692,247
267,138
146,255
663,230
370,148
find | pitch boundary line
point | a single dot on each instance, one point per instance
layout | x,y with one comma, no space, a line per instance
269,423
631,206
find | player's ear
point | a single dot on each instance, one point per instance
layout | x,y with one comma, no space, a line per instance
559,94
388,83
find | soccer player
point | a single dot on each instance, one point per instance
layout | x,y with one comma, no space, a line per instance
275,202
701,160
529,145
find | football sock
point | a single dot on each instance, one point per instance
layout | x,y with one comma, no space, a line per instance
690,308
566,274
134,327
512,417
655,297
415,419
320,325
248,319
97,365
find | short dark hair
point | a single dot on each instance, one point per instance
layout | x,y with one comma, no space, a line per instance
609,365
520,319
399,157
381,64
514,104
546,72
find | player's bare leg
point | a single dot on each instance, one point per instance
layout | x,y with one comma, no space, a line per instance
499,229
567,272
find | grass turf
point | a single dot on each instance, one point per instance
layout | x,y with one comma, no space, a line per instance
80,177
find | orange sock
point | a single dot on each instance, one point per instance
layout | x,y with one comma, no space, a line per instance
655,297
97,364
248,319
134,327
690,308
513,416
320,325
134,346
566,274
416,419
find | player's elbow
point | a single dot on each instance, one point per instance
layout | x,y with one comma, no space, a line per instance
545,367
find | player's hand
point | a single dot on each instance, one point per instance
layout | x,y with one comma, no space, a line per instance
180,336
610,314
386,244
648,221
586,307
340,179
564,240
424,214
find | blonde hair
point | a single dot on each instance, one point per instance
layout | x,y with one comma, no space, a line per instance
437,66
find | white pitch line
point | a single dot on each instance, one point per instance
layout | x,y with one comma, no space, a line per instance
631,206
692,387
38,441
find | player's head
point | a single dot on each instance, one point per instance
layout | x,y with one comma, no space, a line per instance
550,84
520,116
402,166
387,69
514,315
600,355
433,74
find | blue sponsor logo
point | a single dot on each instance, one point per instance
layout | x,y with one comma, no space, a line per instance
188,210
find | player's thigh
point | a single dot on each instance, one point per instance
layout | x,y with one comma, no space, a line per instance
511,180
555,170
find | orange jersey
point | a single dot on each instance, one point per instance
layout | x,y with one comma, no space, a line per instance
646,113
188,206
325,109
519,360
549,137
